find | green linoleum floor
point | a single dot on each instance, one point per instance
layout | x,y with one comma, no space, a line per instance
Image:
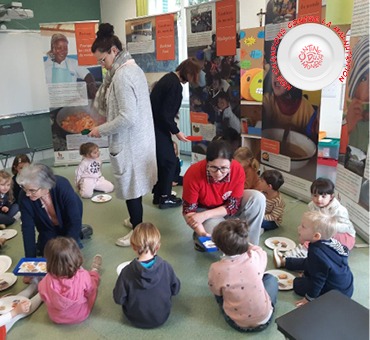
195,314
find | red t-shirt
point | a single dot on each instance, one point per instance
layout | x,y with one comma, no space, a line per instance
199,192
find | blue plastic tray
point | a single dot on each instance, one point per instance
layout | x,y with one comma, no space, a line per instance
34,267
205,241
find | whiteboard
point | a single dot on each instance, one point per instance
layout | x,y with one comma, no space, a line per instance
23,88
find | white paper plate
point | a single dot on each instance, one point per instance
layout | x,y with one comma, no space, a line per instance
285,280
5,263
7,280
310,56
101,198
7,303
281,243
8,233
121,266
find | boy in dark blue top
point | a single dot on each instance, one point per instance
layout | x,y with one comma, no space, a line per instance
144,287
326,266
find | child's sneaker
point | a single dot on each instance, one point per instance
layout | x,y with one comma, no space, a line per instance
97,262
278,259
17,216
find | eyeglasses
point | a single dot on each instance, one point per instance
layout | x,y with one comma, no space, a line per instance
30,191
102,60
222,169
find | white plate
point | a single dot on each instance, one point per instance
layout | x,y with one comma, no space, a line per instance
286,282
310,56
7,280
7,302
101,198
8,233
281,243
121,266
5,263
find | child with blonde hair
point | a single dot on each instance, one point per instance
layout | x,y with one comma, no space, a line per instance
245,294
250,165
9,210
88,174
326,266
19,162
144,287
68,290
323,200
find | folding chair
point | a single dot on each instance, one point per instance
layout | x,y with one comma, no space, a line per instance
13,141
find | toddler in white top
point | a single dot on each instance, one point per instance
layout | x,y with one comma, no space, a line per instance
88,174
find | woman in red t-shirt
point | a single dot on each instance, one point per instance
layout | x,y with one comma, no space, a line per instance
213,191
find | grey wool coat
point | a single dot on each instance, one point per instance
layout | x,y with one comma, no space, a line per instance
130,132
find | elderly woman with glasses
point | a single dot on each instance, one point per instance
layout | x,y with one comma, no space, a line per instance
214,191
48,203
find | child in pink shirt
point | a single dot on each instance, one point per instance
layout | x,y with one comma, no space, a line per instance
245,294
68,290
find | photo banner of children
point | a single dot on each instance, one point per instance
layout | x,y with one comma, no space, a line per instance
215,102
153,43
353,168
290,115
73,77
251,87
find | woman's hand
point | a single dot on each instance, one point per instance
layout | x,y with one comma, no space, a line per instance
195,222
181,137
4,209
94,133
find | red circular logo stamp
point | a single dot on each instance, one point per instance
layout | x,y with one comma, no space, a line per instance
311,57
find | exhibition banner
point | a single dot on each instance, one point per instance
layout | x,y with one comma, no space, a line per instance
143,37
165,33
73,78
225,27
352,180
215,101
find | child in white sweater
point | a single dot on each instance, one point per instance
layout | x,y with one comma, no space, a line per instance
88,174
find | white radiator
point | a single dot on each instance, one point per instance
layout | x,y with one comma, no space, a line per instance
185,127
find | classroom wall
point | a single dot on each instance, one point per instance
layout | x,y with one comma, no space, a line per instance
37,127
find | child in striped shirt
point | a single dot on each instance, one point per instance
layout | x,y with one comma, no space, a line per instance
269,184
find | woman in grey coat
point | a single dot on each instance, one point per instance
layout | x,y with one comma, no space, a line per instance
124,99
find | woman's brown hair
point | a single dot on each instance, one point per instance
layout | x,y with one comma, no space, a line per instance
63,257
191,67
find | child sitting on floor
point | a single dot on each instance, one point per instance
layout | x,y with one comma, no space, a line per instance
323,200
144,287
269,184
68,290
9,209
88,173
326,266
19,162
246,296
250,165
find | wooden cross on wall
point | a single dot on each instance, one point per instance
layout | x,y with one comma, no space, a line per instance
261,14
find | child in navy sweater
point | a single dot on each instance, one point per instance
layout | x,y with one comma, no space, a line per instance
326,266
144,287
